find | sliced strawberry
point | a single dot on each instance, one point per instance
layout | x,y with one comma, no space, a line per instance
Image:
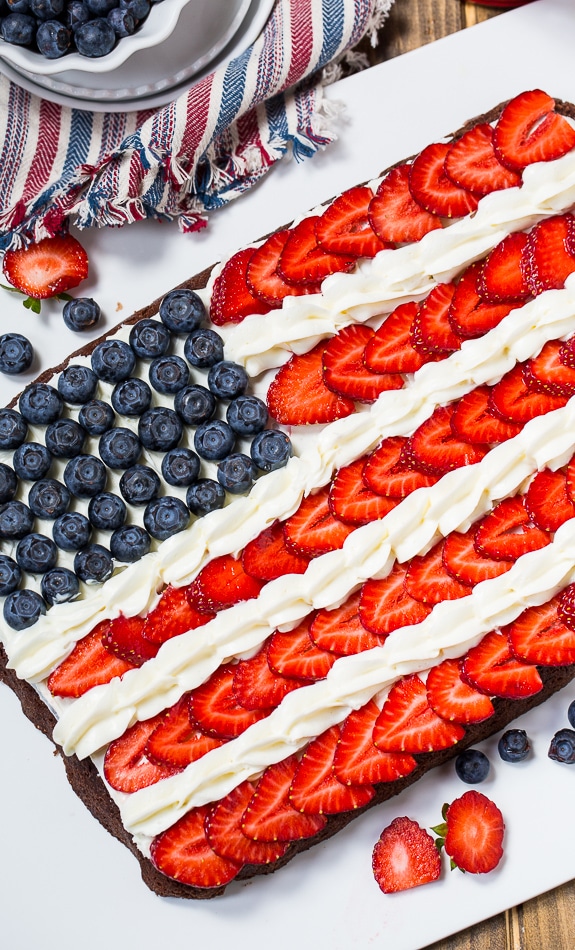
269,816
47,268
570,478
232,300
214,707
548,374
431,187
452,698
295,654
407,723
474,833
341,631
474,422
257,686
507,532
298,395
566,606
405,856
184,853
344,371
358,761
547,500
567,352
492,668
312,530
316,790
470,315
222,583
502,275
395,215
390,349
389,473
463,561
436,449
512,400
539,636
350,499
344,227
126,766
123,637
431,331
472,164
176,741
225,835
262,276
89,664
173,614
548,261
385,605
267,557
428,581
529,130
304,261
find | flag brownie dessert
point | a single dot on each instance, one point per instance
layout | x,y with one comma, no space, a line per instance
233,686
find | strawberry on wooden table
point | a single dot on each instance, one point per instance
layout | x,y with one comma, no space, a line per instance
405,856
47,268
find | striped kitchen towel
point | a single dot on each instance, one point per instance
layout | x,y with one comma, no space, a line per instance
61,165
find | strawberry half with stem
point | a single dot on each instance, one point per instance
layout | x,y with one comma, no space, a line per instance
313,530
385,604
388,472
262,276
126,766
395,215
352,501
316,790
344,226
540,636
294,654
45,269
473,420
344,370
183,853
472,164
225,835
298,394
473,833
452,698
507,532
492,668
358,761
89,664
469,315
390,349
405,856
267,556
548,260
232,300
176,740
304,261
529,130
436,449
503,274
547,500
341,631
433,190
269,816
407,723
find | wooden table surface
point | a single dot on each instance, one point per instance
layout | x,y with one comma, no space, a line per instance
546,922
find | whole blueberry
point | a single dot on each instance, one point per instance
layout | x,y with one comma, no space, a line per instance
165,516
76,13
53,39
131,397
149,339
82,313
571,713
96,417
247,415
71,531
13,429
204,496
180,466
18,28
169,374
48,498
31,461
472,766
204,347
513,745
46,9
36,553
93,564
138,8
160,429
100,7
65,438
77,384
236,473
85,476
107,511
120,448
214,440
18,6
227,380
95,38
195,404
270,450
10,575
562,747
8,483
122,22
182,311
22,609
113,360
130,543
41,404
59,585
16,520
140,484
16,354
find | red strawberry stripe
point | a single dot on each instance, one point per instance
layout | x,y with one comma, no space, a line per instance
126,766
431,187
529,130
222,583
304,261
313,530
503,273
539,636
257,686
344,228
452,698
358,761
184,853
174,614
214,707
341,631
395,215
470,315
269,816
548,260
390,349
388,472
295,654
463,561
436,449
298,395
224,832
344,370
431,331
267,557
472,164
547,500
232,301
513,401
507,533
89,664
548,374
352,501
176,740
474,421
385,605
492,668
407,723
316,790
264,281
428,581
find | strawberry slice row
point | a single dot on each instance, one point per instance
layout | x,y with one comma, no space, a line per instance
444,181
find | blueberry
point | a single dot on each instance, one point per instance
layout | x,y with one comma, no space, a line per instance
82,313
76,13
227,380
16,354
22,609
140,484
53,39
169,374
96,417
120,448
165,516
85,476
122,22
513,745
138,8
149,339
41,404
204,348
205,496
95,38
160,429
36,553
16,520
107,511
472,766
93,564
247,415
46,9
562,748
100,7
131,397
59,586
236,473
182,310
10,575
214,440
195,404
31,461
8,483
19,29
77,384
571,713
130,543
113,360
71,531
271,450
180,467
48,498
13,429
65,438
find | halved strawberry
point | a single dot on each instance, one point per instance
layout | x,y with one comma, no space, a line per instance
529,130
566,606
395,215
267,557
503,275
388,472
89,664
548,501
539,636
407,723
390,349
214,707
567,352
385,605
473,420
344,370
350,499
512,399
431,187
304,261
262,276
358,761
341,631
126,766
316,790
344,227
405,856
298,394
547,373
225,835
548,260
507,532
184,853
431,330
257,686
173,614
232,300
436,449
176,741
463,561
47,268
269,816
452,698
472,164
295,654
492,668
428,581
312,530
470,315
223,582
474,830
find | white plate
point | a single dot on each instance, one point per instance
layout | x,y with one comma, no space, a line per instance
54,856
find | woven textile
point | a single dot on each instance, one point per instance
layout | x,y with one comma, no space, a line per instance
61,165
